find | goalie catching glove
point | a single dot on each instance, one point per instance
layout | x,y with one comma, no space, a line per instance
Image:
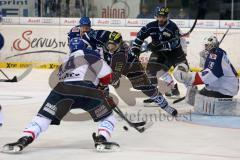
182,74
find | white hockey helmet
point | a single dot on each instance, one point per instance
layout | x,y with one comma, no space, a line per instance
210,43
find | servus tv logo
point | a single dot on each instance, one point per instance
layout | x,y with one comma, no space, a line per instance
27,43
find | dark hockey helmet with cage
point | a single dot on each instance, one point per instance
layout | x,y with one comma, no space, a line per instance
161,11
115,38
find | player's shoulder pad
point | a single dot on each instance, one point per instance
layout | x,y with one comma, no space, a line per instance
152,24
219,53
172,25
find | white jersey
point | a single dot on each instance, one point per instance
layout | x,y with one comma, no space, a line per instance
84,65
219,74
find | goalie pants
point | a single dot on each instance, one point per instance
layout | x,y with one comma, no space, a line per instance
214,94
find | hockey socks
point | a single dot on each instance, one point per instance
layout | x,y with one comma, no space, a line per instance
36,127
162,102
106,126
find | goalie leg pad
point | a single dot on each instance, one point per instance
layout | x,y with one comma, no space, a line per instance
191,94
216,106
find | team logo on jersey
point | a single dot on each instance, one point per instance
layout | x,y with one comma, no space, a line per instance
210,65
166,34
213,56
160,37
1,41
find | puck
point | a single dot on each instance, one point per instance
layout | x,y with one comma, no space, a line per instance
125,128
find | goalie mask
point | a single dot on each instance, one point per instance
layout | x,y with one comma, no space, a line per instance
210,43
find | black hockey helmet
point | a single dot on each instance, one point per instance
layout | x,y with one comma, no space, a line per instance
161,11
114,41
115,38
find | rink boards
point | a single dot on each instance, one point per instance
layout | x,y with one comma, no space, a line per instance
44,41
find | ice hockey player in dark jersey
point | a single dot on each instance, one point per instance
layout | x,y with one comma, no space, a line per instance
117,54
124,63
165,47
101,40
78,79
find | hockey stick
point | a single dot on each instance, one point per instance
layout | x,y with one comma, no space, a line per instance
4,74
17,78
139,126
182,98
224,35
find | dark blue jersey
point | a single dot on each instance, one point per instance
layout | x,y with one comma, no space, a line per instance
97,38
168,33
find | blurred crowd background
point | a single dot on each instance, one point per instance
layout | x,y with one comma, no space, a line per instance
179,9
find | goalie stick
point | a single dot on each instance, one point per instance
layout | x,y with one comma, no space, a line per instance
182,98
16,78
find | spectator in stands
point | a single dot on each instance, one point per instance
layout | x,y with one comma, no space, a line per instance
145,12
50,8
182,14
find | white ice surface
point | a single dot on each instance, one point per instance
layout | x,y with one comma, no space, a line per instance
165,140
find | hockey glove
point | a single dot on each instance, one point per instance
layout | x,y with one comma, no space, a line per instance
159,47
135,51
181,74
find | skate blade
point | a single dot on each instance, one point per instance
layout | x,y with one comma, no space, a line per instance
11,149
107,148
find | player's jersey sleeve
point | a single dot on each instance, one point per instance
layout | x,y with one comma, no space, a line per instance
141,36
96,38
